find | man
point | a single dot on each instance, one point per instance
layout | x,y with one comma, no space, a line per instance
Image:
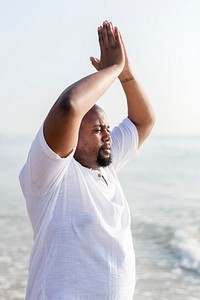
80,218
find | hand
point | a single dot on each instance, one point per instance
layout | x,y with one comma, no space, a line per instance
111,47
127,70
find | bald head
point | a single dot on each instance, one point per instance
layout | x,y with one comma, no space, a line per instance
93,111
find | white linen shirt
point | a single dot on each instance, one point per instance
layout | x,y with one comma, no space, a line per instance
83,246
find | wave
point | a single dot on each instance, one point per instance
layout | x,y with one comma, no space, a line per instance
186,247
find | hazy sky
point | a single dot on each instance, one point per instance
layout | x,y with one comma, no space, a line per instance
46,45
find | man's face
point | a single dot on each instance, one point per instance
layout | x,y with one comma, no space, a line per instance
94,143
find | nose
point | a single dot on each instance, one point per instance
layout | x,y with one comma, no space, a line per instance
106,136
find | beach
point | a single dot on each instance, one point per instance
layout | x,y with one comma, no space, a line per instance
163,192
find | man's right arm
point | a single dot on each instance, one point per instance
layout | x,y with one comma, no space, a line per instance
63,121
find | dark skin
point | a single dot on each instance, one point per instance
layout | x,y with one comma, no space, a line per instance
62,124
94,136
68,122
140,111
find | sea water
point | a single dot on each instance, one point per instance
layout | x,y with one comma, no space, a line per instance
163,191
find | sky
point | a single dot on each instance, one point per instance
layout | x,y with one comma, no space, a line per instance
46,46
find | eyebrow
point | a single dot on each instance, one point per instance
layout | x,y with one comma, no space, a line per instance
101,126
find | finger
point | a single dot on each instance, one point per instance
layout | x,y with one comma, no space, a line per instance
105,35
123,46
100,35
111,37
112,28
122,41
117,35
95,62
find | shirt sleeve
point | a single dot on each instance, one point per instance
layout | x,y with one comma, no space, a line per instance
124,143
43,169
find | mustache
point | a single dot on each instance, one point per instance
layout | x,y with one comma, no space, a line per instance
105,146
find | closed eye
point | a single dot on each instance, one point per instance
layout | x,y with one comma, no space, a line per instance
101,129
97,130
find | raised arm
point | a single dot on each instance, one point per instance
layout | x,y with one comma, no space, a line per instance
63,121
140,110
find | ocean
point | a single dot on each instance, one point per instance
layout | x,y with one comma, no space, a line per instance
163,191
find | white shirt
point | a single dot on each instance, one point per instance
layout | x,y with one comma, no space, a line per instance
82,235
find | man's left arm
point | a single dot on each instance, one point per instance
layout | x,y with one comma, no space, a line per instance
140,111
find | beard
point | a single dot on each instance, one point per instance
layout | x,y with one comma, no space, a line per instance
103,161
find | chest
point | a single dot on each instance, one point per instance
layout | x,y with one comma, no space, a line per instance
87,197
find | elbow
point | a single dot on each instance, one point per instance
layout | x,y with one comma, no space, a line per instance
152,120
147,123
145,129
147,120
